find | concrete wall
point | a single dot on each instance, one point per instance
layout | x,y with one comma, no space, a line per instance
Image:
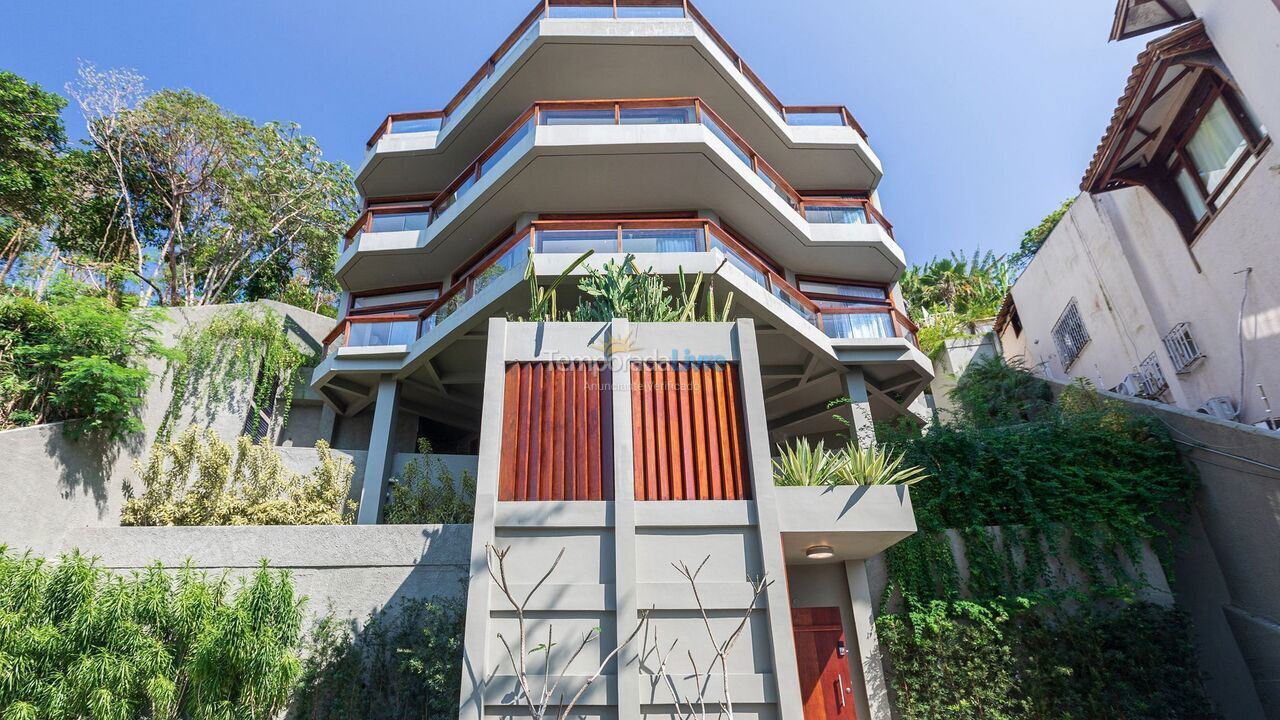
1121,255
956,357
1227,575
350,571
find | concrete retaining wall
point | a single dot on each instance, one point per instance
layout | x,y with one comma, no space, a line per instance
1227,570
351,570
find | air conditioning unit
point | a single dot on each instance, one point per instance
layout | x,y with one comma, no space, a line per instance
1131,385
1222,407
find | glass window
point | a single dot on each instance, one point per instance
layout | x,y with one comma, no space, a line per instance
580,11
854,291
662,241
1216,145
1187,185
417,125
814,118
577,241
858,325
397,332
601,116
657,116
836,214
423,296
394,222
650,11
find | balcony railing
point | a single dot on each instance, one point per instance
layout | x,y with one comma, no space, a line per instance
666,111
641,236
796,115
843,211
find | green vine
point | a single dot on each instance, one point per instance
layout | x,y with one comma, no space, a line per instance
1049,505
238,347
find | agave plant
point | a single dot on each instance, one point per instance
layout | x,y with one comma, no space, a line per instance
800,465
875,466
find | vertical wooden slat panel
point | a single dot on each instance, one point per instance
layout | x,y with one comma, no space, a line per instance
546,436
584,387
524,430
637,429
709,403
722,424
556,440
532,489
675,442
507,464
657,378
701,467
592,429
650,445
606,432
741,468
686,431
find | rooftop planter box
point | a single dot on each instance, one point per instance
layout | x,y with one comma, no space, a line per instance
855,521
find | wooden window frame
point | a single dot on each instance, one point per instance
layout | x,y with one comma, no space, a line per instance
1173,157
394,307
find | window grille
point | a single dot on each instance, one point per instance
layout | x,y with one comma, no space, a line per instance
1182,348
1070,335
1151,377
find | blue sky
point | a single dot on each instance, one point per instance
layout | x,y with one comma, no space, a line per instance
984,113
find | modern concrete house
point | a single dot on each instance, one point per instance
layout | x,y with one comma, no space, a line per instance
631,127
1163,280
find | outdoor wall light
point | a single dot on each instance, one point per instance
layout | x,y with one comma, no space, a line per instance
819,552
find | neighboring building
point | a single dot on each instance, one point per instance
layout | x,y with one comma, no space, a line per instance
1163,280
633,127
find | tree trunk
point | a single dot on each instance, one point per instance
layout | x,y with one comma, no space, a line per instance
48,273
11,252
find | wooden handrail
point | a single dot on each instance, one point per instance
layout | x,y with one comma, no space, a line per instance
540,10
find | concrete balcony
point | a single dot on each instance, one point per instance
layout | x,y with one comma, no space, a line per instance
646,155
553,55
436,350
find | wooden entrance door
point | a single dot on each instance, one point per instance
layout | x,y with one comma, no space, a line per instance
822,655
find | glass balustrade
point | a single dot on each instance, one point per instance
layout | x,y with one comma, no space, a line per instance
412,125
815,119
836,214
398,222
858,326
389,332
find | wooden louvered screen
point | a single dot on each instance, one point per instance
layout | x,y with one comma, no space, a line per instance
688,432
557,432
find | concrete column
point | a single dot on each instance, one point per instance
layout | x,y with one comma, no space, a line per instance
475,639
861,427
786,671
626,602
864,620
328,420
382,448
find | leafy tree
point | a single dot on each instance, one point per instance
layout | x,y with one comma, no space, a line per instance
1034,238
78,641
75,356
31,135
405,663
948,296
201,201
